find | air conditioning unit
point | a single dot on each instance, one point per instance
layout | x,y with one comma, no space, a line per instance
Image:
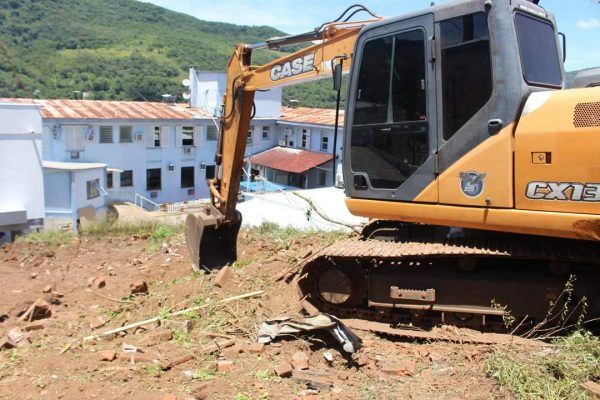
191,192
187,150
153,195
139,137
282,143
74,155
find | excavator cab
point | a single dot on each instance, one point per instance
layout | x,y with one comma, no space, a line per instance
426,89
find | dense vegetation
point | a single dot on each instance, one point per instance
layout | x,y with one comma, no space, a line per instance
120,49
115,49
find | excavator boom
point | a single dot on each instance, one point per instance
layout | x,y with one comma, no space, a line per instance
212,232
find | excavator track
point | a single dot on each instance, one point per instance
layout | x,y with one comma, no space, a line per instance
425,278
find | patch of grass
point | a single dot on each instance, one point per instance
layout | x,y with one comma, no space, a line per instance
204,375
153,369
156,232
14,355
182,338
239,264
264,375
554,373
281,237
50,238
149,229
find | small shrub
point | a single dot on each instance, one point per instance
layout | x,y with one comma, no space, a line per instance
50,238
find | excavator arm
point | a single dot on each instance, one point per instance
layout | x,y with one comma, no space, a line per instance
212,232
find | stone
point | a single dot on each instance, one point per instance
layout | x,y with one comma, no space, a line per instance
6,344
47,289
283,370
15,335
169,397
33,275
99,282
36,325
97,322
255,348
314,380
135,357
300,360
107,355
223,276
224,365
138,287
156,337
40,309
307,254
400,368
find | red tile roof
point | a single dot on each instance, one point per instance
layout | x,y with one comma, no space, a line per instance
103,109
305,115
290,160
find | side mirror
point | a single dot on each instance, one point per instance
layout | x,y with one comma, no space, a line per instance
337,77
564,45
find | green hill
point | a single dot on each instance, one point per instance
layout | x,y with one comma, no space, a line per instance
116,49
120,50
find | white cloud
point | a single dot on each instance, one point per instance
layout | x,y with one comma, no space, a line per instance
591,23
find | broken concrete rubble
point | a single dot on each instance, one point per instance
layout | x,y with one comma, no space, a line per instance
223,277
156,337
138,287
40,309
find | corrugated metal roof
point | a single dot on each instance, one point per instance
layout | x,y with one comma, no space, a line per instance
290,160
101,109
305,115
104,109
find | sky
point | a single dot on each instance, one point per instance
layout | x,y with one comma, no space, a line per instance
578,19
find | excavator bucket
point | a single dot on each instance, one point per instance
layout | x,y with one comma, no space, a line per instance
212,242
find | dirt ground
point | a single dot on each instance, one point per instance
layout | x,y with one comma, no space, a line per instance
51,360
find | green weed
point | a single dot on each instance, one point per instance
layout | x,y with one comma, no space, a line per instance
554,373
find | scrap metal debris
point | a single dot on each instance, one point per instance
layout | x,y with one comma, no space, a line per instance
284,326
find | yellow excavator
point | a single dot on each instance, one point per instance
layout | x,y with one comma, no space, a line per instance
479,172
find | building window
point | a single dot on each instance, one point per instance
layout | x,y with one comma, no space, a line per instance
249,137
324,143
109,180
266,132
106,134
187,136
127,178
153,179
211,133
187,177
304,142
322,178
209,172
156,136
125,134
92,189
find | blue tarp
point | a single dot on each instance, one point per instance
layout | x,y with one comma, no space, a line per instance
261,186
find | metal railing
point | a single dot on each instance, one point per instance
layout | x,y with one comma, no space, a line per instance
145,203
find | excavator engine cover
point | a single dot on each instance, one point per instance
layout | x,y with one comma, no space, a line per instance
211,241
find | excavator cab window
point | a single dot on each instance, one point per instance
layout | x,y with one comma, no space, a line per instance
466,69
390,130
539,51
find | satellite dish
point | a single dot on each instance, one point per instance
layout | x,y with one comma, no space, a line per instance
186,82
186,96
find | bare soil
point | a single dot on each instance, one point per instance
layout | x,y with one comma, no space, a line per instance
55,363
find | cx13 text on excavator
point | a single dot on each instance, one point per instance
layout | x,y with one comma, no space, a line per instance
480,174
